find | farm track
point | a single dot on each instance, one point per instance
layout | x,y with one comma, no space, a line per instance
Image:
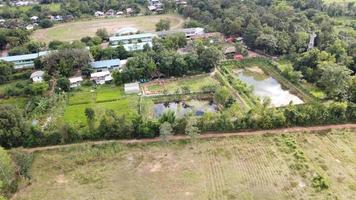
208,135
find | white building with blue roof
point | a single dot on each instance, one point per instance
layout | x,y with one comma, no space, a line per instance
108,65
24,61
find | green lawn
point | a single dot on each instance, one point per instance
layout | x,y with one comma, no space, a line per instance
16,101
102,98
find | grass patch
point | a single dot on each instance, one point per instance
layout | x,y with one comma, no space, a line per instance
256,165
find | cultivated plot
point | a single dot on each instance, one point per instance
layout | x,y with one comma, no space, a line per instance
256,167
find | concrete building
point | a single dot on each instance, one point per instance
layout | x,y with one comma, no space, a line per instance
101,78
189,32
24,61
75,81
132,88
37,76
132,42
105,65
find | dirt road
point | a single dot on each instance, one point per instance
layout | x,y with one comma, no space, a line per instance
203,136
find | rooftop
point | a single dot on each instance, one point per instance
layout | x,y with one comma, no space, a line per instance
105,63
130,37
37,74
75,79
24,57
100,74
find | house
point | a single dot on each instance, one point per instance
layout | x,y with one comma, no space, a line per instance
110,12
151,8
105,65
58,18
29,27
24,61
101,77
132,88
99,14
75,81
229,50
37,76
126,31
132,42
189,32
34,18
129,11
119,13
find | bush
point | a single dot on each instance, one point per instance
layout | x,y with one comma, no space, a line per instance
7,175
46,23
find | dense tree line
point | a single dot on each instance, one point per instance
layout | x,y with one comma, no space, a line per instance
16,132
276,27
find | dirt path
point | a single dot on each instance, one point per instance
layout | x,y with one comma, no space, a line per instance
203,136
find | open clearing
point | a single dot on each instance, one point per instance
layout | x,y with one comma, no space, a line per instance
253,167
79,29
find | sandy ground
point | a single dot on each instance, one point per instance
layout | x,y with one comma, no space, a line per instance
76,30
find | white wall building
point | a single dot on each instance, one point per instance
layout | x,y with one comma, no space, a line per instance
75,81
37,76
101,78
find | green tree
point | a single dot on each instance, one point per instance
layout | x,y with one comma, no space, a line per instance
63,84
335,79
46,23
13,127
221,95
163,24
6,70
165,130
191,129
90,114
102,33
7,175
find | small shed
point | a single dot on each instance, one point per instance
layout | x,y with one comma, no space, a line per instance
75,81
37,76
132,88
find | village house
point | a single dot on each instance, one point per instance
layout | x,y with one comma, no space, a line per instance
34,18
75,81
101,78
108,65
37,76
99,14
132,88
24,61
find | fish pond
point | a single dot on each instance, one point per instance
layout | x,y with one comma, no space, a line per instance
181,108
265,86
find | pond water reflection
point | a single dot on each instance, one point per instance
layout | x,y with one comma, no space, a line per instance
266,86
197,107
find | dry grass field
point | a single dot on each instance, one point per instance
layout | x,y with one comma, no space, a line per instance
293,166
79,29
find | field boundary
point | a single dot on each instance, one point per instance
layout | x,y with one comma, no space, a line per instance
208,135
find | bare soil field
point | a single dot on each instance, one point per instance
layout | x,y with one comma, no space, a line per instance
76,30
279,166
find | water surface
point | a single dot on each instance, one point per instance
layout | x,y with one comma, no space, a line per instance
266,86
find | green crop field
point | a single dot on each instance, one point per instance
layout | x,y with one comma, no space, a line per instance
77,30
295,166
100,99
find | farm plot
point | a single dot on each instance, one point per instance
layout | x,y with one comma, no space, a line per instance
254,167
76,30
171,86
100,99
